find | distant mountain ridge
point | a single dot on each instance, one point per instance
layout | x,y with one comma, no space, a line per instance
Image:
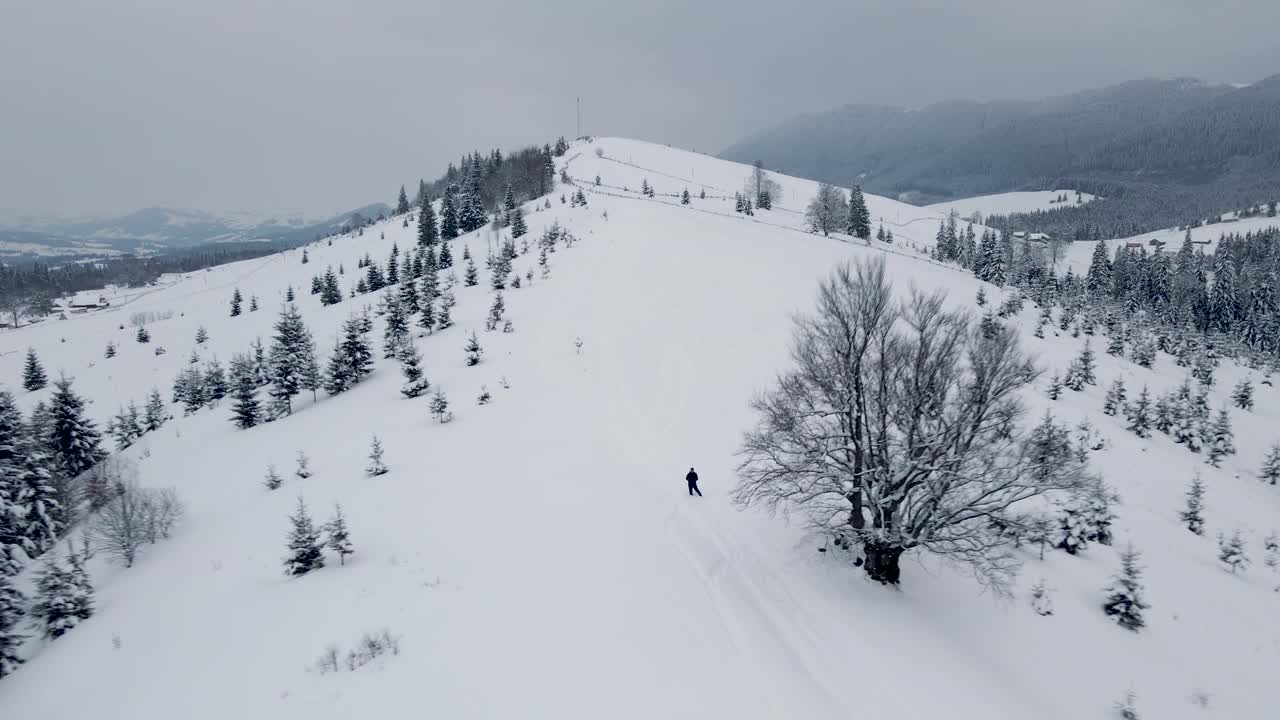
1175,150
157,229
961,148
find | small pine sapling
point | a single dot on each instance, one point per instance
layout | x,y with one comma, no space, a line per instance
1115,398
1041,598
1231,552
1139,414
273,479
111,349
484,397
1055,387
1243,395
376,465
1221,439
1124,602
304,470
1193,515
1271,551
1270,471
440,407
339,538
473,350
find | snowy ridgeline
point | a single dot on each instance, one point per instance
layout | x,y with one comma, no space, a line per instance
397,459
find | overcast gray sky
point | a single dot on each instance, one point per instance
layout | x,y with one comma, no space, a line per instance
323,105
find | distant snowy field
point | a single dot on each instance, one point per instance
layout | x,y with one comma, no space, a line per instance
539,557
1010,202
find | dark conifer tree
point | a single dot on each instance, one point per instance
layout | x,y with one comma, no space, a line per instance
1193,515
376,465
1124,602
12,608
245,410
396,327
156,414
76,440
305,554
859,224
473,350
518,226
449,213
33,376
428,234
143,336
236,299
402,202
339,538
291,360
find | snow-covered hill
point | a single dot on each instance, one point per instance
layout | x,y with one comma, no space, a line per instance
1010,202
538,556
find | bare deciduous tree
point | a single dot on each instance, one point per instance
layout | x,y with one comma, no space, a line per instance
134,516
827,210
898,430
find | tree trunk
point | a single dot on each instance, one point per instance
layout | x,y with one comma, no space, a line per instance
882,562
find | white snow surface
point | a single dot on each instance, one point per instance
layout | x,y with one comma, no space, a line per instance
1009,202
539,557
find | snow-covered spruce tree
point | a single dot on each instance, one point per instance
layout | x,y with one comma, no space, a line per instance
415,380
188,388
470,278
156,413
1270,470
1221,441
143,336
1115,397
827,210
1055,387
444,319
202,335
1124,602
473,350
1138,414
1242,395
518,225
272,479
352,360
1193,514
927,470
305,554
63,598
245,410
303,470
253,303
12,609
395,327
496,311
110,352
215,381
859,224
33,376
339,538
1041,599
484,397
1271,550
1115,347
440,407
1231,552
236,299
376,465
402,203
76,441
1143,352
1088,365
428,234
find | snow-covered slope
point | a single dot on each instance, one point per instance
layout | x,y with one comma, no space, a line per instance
1010,202
1079,254
538,556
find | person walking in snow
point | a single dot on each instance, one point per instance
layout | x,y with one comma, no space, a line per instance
692,479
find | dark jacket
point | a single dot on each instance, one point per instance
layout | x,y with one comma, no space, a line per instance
691,478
